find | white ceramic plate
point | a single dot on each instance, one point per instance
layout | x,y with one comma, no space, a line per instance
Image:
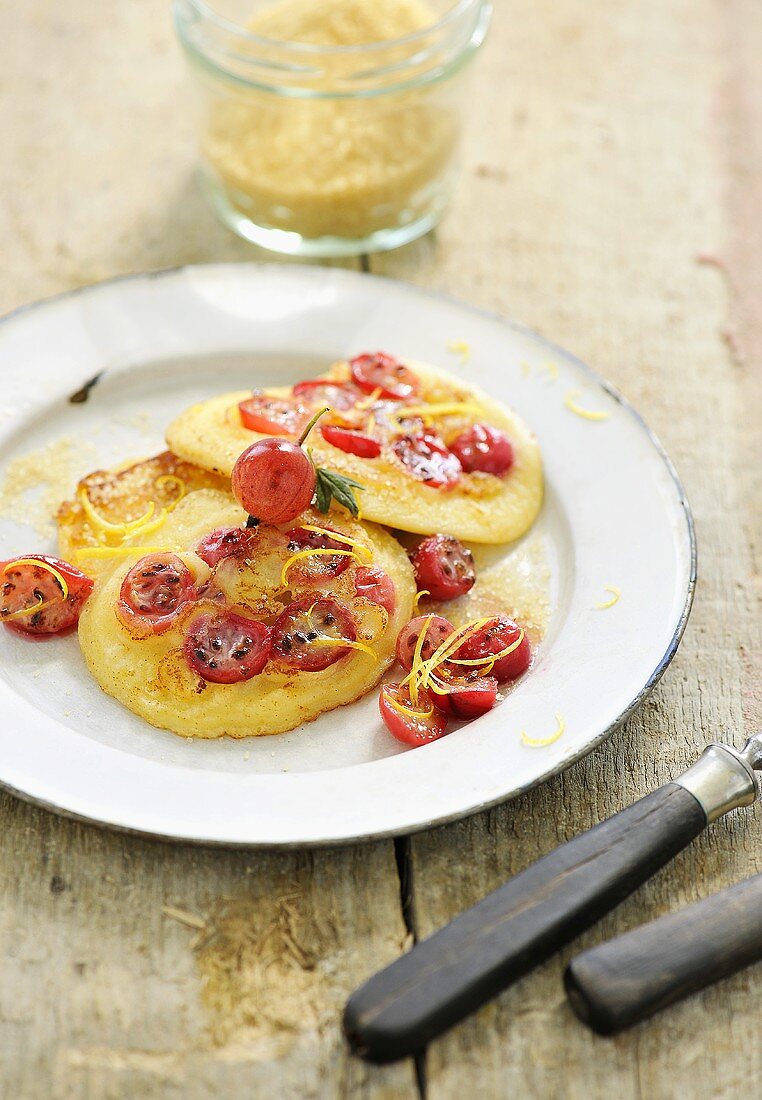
615,514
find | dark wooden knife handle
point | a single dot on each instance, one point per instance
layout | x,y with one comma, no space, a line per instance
399,1010
627,979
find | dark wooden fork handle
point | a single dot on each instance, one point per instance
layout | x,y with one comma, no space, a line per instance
627,979
447,976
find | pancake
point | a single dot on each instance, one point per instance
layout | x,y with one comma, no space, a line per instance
481,507
114,499
151,675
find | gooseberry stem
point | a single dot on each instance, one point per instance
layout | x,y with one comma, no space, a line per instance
311,425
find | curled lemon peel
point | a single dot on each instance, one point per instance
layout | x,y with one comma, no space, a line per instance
615,596
461,348
115,551
402,709
418,660
150,526
450,645
345,643
59,577
121,529
541,742
492,657
316,552
419,596
570,400
346,539
172,479
437,408
454,641
439,687
25,612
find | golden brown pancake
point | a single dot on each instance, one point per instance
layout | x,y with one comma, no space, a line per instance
481,507
151,675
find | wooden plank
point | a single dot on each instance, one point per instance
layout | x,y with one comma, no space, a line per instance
98,171
104,994
134,968
611,146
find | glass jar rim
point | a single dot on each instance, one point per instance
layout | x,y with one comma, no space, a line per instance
251,61
459,8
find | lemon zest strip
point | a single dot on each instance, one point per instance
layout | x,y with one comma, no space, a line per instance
402,709
541,742
441,408
61,580
150,526
454,641
492,657
172,479
419,596
345,642
370,399
450,645
23,612
340,641
358,546
439,687
313,552
615,595
121,529
570,400
418,660
461,348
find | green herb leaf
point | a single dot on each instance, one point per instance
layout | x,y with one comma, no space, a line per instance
322,495
332,486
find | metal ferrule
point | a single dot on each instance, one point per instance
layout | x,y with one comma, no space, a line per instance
721,780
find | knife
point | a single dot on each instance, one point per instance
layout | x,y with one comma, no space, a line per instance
635,975
445,977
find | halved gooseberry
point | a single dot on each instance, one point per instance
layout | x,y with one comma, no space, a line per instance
227,648
307,635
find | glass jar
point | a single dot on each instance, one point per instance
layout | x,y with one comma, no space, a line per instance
336,143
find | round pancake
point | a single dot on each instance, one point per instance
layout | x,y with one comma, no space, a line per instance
481,507
120,497
151,677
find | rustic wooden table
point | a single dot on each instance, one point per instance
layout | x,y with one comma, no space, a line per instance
611,199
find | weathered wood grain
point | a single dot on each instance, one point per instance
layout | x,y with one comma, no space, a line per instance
112,990
616,149
613,146
104,995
